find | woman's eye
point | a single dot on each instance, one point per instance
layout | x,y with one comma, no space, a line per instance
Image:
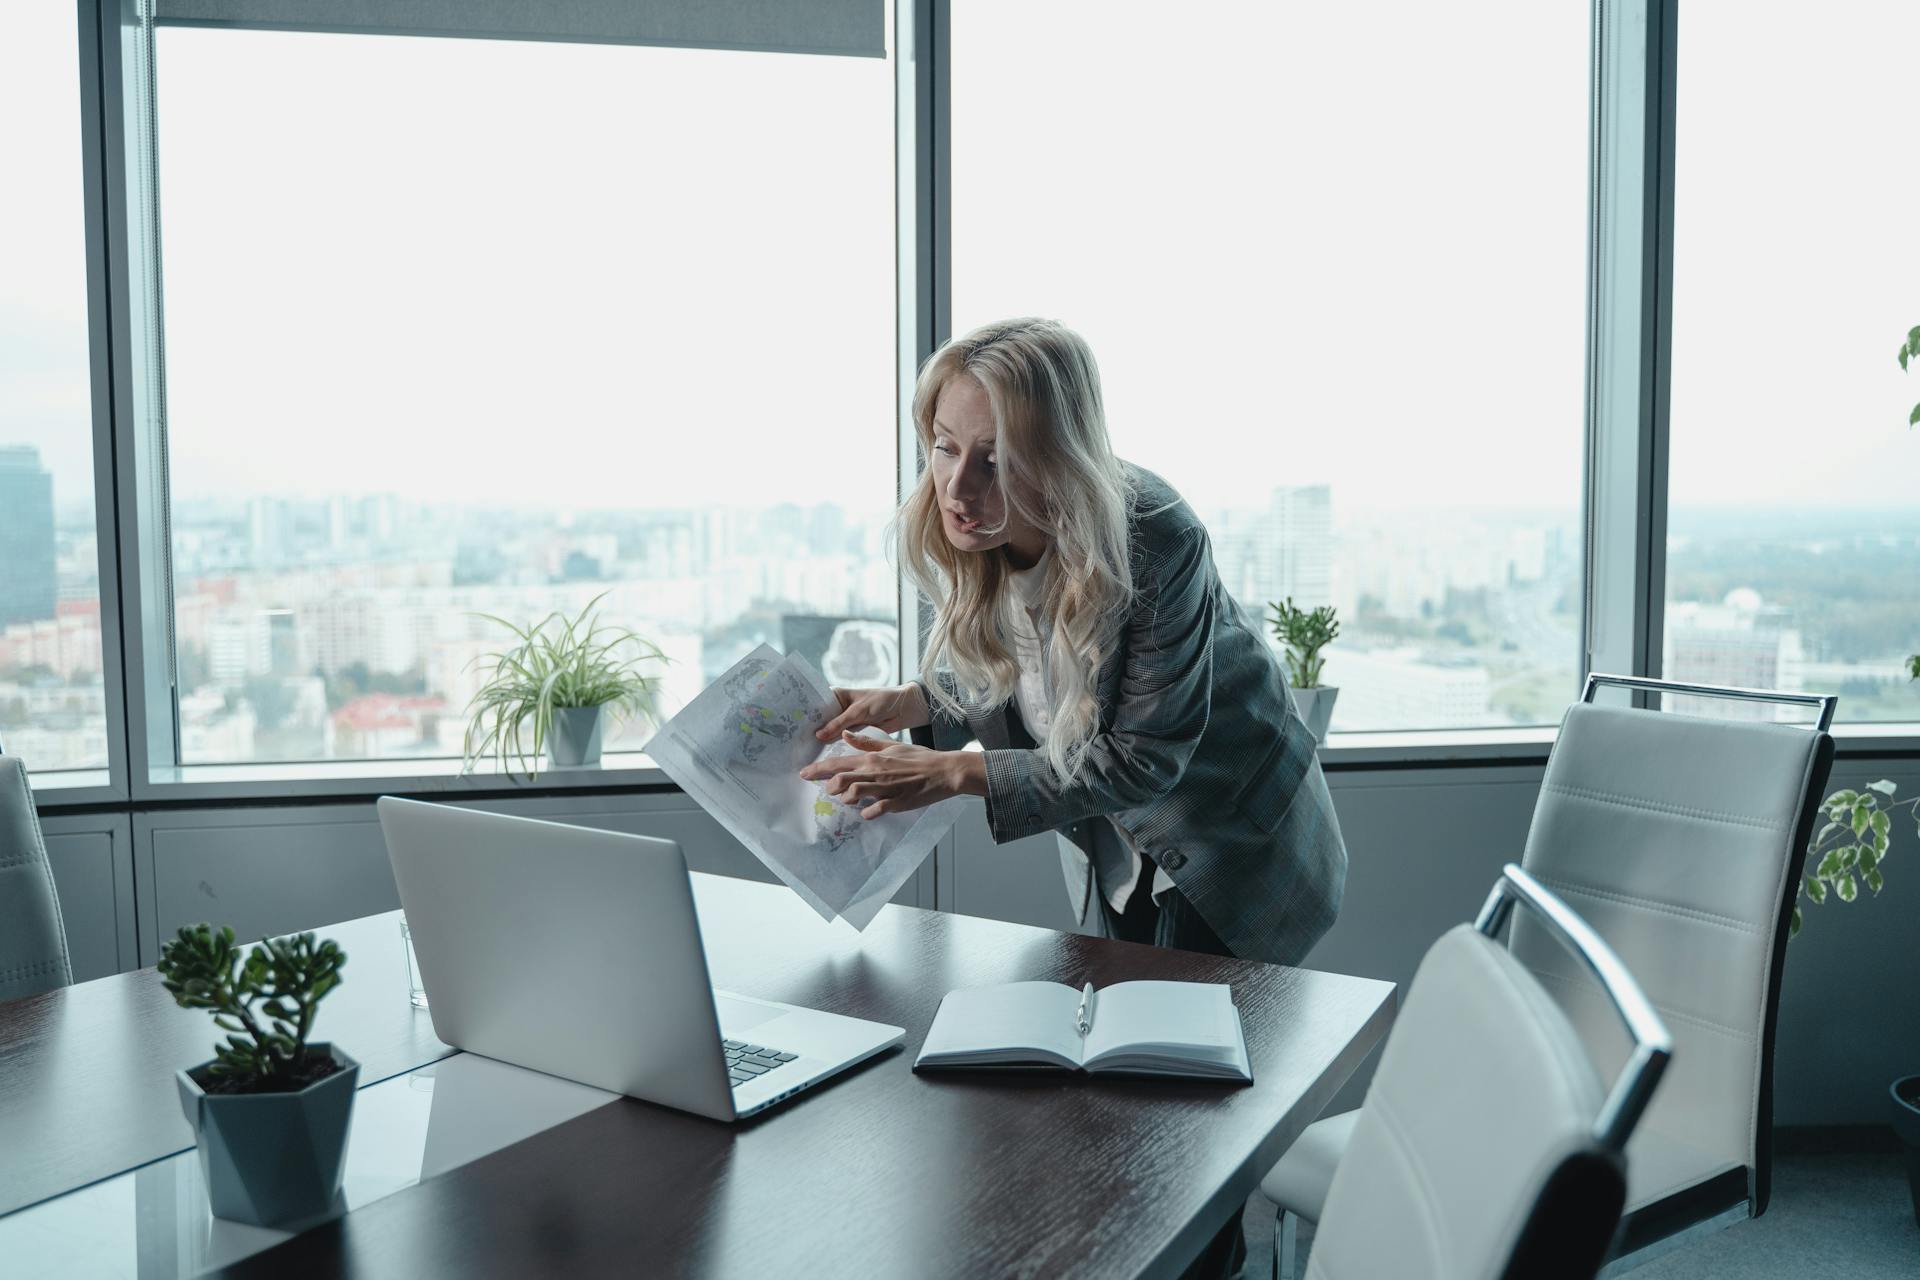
943,447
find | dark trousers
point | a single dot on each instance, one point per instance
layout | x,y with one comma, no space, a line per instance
1172,922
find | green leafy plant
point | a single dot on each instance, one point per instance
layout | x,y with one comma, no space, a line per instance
1304,633
285,977
559,662
1850,847
1910,350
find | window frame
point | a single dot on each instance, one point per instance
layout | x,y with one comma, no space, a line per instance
1630,247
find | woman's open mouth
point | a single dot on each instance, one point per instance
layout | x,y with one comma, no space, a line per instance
963,524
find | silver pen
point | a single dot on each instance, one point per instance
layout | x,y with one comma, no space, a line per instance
1084,1018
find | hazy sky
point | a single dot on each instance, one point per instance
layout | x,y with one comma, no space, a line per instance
1307,244
44,394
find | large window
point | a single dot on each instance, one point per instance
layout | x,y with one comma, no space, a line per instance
1331,260
472,326
1793,550
412,329
52,698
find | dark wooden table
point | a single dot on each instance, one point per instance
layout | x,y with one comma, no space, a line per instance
877,1173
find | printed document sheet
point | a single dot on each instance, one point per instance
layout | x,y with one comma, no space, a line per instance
738,750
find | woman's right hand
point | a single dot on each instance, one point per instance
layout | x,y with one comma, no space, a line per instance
888,710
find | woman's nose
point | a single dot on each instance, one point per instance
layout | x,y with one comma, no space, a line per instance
960,487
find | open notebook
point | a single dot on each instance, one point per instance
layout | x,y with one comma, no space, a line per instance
1144,1028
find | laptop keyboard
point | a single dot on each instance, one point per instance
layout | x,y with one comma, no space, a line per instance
751,1061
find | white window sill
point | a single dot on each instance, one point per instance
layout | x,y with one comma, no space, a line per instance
344,778
1438,746
70,780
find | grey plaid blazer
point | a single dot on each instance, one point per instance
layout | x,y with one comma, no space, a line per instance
1200,758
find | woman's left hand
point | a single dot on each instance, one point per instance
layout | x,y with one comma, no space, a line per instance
892,777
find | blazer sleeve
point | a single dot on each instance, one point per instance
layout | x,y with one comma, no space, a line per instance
1158,716
948,732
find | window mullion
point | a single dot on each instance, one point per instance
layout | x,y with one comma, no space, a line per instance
1630,289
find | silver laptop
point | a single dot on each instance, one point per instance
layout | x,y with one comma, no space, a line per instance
576,952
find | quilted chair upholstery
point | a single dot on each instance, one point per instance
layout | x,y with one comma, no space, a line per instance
33,943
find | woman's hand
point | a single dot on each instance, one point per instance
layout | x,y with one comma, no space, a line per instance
888,710
892,777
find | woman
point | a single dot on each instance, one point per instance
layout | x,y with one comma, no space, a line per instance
1084,640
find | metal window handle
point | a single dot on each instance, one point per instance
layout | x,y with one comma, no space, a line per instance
1652,1044
1826,702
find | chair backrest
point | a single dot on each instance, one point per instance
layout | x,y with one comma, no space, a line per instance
1681,840
1486,1145
33,943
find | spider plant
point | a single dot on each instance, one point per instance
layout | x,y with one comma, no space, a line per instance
557,662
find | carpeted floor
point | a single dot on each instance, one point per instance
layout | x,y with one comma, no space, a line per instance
1831,1215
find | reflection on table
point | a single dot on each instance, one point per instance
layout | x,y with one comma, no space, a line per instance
153,1222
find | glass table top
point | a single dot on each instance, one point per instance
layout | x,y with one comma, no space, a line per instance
152,1223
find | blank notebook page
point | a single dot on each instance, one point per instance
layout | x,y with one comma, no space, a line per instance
1162,1013
1036,1015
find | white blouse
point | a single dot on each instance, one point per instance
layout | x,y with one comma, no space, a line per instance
1036,712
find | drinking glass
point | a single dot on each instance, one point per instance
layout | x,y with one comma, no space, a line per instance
415,992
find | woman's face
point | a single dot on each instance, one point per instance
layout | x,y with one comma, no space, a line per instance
973,508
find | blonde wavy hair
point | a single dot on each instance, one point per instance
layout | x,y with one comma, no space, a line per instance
1056,468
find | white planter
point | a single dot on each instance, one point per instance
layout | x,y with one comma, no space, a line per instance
1315,706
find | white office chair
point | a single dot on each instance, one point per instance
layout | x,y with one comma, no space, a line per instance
1682,839
33,942
1485,1147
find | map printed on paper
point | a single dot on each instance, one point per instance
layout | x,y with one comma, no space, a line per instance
738,749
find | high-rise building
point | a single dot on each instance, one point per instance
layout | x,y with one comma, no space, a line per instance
1284,550
29,577
1742,641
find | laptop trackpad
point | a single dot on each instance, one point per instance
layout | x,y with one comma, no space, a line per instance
738,1013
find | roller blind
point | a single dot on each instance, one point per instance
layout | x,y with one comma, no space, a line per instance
852,28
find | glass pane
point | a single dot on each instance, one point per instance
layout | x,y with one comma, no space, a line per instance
1332,261
1793,541
52,701
503,328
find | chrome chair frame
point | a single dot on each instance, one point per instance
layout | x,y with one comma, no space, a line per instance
1825,703
1652,1044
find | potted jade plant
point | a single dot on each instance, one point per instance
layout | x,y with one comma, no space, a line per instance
552,691
1304,633
270,1111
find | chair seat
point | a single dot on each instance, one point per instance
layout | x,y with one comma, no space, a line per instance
1657,1167
1298,1184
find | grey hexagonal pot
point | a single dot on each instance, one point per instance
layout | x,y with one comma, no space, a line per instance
273,1158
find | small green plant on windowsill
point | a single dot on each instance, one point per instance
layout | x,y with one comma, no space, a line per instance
551,692
1304,633
1852,845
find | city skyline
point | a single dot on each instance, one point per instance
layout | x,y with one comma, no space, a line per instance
343,627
